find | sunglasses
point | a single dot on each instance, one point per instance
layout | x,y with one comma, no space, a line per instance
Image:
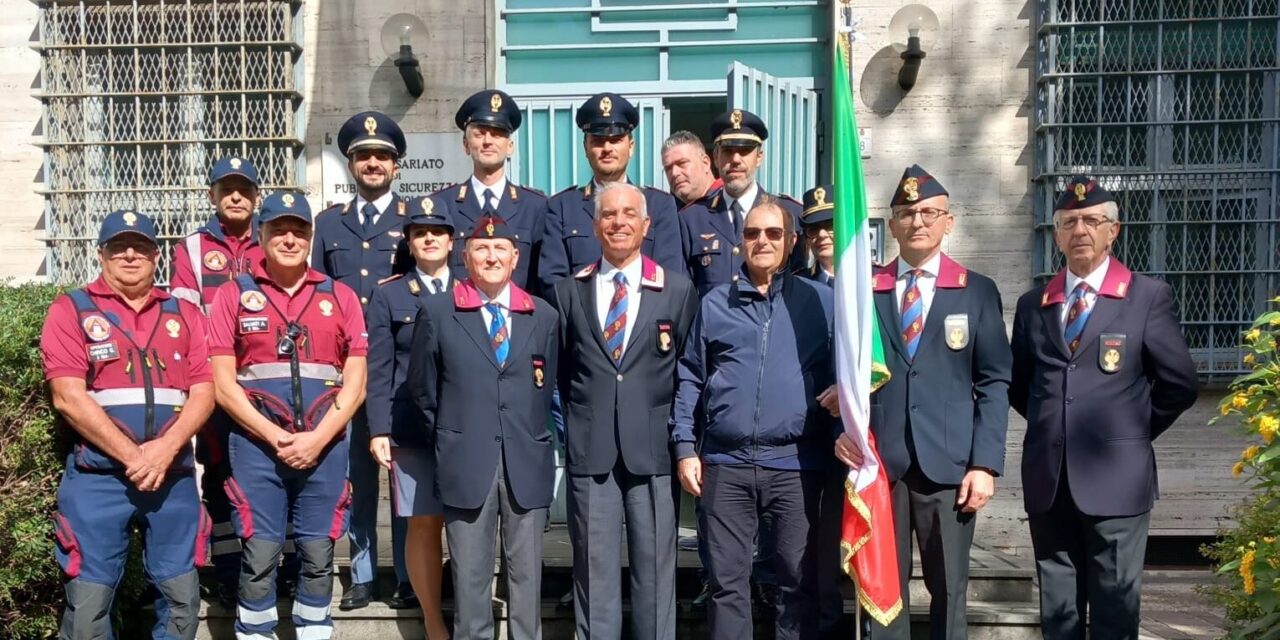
774,234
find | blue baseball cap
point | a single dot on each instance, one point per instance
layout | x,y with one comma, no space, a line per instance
284,204
233,166
118,223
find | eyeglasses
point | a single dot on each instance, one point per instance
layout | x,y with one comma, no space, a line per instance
774,234
119,248
812,231
928,216
1093,222
287,345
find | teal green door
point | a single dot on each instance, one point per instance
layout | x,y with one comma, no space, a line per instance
790,111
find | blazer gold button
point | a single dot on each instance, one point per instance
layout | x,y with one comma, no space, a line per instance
364,272
619,377
364,300
735,251
365,244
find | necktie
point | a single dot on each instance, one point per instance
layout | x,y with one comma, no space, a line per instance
1077,314
615,321
490,202
498,333
368,211
912,314
436,285
735,210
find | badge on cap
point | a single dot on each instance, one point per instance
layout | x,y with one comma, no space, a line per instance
326,308
539,371
173,327
911,187
96,328
488,228
287,199
130,218
735,118
1111,353
429,205
235,163
957,329
495,102
253,300
820,196
665,341
606,106
1081,192
370,125
215,260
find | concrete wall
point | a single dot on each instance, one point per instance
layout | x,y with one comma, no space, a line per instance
21,208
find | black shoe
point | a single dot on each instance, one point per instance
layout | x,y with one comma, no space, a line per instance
566,601
767,598
404,597
357,597
704,596
227,596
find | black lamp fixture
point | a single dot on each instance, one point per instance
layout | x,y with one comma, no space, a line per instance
400,34
919,24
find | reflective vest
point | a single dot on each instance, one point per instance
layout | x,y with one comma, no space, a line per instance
292,391
214,264
139,381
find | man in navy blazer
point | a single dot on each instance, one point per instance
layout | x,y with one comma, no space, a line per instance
940,421
481,374
1100,369
624,320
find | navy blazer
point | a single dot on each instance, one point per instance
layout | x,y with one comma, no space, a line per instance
712,252
391,316
524,210
476,410
953,397
613,410
1097,410
571,243
342,250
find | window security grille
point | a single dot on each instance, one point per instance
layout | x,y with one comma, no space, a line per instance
1172,104
141,97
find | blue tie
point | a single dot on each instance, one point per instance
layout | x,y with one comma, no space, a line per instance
369,212
1078,311
498,333
912,314
615,321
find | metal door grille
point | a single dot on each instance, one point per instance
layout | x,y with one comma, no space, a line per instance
1172,104
141,97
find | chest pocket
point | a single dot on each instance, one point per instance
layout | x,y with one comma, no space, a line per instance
581,245
704,256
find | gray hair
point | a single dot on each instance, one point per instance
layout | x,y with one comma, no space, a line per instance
1109,209
614,186
683,137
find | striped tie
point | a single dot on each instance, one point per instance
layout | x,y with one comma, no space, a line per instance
498,333
912,314
615,321
1077,314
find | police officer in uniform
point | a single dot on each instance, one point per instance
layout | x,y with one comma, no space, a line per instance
488,120
288,351
607,120
819,234
398,442
711,236
217,252
358,244
127,367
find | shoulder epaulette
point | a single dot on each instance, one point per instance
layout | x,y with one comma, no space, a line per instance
531,190
568,189
390,279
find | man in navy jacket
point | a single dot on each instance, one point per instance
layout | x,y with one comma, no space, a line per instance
1100,369
758,358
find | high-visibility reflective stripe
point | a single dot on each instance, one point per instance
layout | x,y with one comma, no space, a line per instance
226,548
249,616
120,397
276,370
254,636
315,632
310,613
183,293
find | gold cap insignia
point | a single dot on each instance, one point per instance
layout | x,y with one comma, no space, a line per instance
235,163
130,218
428,205
955,339
820,195
911,187
606,106
173,327
287,199
495,102
370,125
1111,361
488,228
735,118
326,308
1080,192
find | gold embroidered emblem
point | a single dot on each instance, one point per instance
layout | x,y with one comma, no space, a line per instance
488,228
414,287
1111,361
287,199
326,308
735,118
911,188
173,327
235,163
606,107
1081,191
370,125
495,102
400,207
820,195
428,205
130,219
538,377
955,339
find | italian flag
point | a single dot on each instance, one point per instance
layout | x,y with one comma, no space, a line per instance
868,552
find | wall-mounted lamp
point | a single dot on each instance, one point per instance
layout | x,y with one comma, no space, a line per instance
919,24
400,34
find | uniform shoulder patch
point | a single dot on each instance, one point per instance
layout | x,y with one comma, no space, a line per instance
452,186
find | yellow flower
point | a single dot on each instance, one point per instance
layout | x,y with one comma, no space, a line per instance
1267,438
1249,359
1239,401
1252,452
1268,425
1252,334
1246,572
1237,469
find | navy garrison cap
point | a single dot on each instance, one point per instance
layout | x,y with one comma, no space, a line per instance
120,222
491,108
233,166
1081,192
370,130
738,128
429,212
607,114
284,204
916,185
491,226
819,205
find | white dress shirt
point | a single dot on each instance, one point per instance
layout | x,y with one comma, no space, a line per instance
427,278
747,200
497,188
604,294
927,283
1094,279
380,204
503,300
